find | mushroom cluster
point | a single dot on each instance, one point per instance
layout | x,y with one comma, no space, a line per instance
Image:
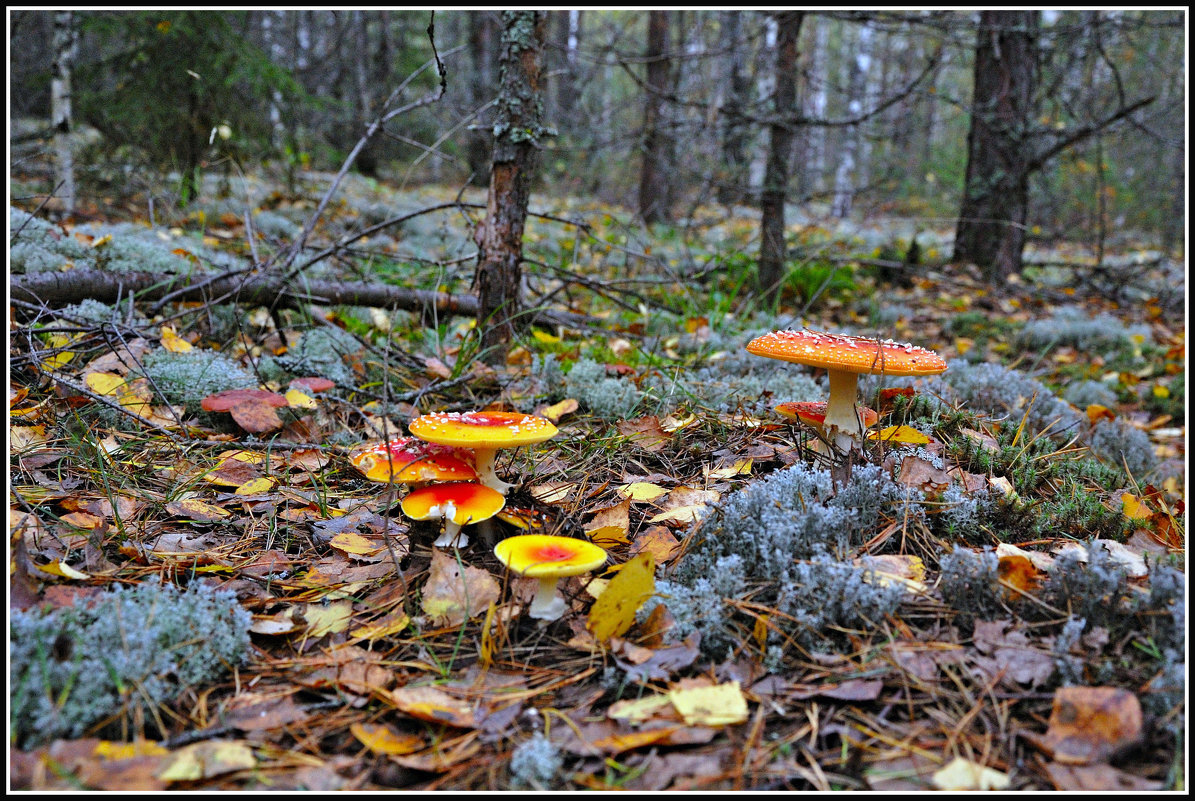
844,358
448,465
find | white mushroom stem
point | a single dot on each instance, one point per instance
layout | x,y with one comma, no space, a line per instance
843,425
452,536
547,605
484,458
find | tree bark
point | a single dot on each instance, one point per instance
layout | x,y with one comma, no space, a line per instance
60,108
991,225
654,188
772,252
518,128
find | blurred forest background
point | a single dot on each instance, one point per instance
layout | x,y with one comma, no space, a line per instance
660,111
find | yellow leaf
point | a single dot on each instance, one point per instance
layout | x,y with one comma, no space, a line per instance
673,423
638,710
741,467
719,705
25,437
544,337
107,749
1133,507
614,612
207,759
255,486
392,623
1096,412
351,542
641,491
195,509
173,342
384,740
1161,391
327,618
963,344
435,706
56,360
61,568
104,383
297,399
904,434
963,774
558,410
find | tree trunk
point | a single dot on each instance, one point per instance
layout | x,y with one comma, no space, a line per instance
60,109
850,161
654,179
483,39
732,177
518,128
772,253
991,226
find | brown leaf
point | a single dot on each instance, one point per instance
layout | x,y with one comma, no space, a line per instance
609,525
256,416
1092,724
450,596
918,473
1011,655
432,705
659,541
1019,575
1096,778
644,432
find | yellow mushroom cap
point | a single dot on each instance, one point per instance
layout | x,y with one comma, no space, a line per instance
462,502
846,353
482,430
545,555
408,460
814,412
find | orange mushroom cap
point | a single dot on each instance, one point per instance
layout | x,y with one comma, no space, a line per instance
548,558
814,413
458,504
484,433
844,352
407,460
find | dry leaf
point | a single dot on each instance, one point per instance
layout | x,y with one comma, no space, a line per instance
383,739
614,612
450,597
256,416
1092,724
963,774
641,491
610,525
645,432
717,705
435,706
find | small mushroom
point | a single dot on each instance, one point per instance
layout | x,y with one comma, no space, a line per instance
411,461
548,558
457,504
483,433
813,414
844,357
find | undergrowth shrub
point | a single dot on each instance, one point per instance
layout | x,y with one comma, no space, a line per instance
86,667
191,376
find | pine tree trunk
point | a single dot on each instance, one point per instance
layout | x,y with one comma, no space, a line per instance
483,39
518,128
654,180
732,176
991,226
772,252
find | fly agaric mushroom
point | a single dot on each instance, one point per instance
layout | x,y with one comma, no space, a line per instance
457,504
483,433
844,357
548,558
813,414
407,460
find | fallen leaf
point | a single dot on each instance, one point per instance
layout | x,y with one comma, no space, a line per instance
641,491
450,596
195,509
207,759
558,410
609,525
383,739
173,342
659,541
1097,778
327,618
963,774
432,705
717,705
614,612
1092,724
256,416
644,432
686,506
906,435
1019,575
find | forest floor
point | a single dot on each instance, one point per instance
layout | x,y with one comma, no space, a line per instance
1009,613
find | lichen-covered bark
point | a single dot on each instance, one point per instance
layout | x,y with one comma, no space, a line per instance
518,127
